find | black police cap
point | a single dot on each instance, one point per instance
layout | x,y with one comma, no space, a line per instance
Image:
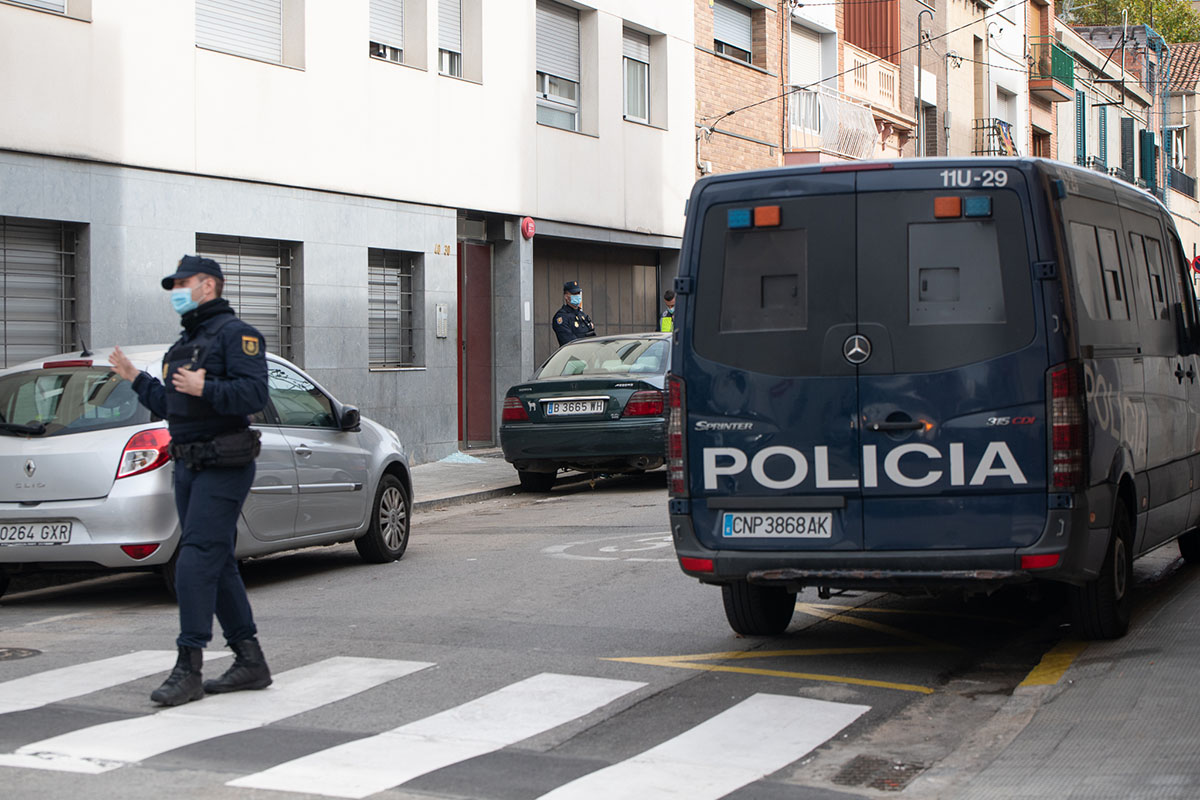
193,265
571,287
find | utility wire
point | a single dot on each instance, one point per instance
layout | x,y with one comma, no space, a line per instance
718,118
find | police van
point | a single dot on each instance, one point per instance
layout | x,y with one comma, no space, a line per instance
930,374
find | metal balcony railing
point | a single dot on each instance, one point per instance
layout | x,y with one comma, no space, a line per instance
993,137
822,119
1181,182
1049,59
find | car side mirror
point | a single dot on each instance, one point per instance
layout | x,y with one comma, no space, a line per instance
350,418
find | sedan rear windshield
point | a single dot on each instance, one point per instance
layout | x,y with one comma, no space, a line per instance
69,400
607,357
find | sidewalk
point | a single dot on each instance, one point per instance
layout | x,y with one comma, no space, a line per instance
1122,722
463,478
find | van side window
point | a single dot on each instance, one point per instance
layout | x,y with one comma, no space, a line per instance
1158,282
1098,272
1115,295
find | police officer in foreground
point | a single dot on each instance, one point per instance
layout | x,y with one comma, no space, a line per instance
666,322
214,377
570,323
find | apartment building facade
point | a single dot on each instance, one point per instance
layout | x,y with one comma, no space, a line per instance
395,208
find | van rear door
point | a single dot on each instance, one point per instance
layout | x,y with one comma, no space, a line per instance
952,397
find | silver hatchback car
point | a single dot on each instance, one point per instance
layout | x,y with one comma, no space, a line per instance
86,480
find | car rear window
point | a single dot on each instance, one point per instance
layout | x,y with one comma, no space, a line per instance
70,400
612,356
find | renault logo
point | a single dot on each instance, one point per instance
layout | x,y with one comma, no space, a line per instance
857,349
30,468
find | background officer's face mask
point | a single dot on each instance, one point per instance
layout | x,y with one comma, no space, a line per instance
577,299
182,301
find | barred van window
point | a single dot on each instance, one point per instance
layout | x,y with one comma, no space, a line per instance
390,302
258,283
37,289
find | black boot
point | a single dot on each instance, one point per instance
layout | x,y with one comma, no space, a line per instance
184,684
248,671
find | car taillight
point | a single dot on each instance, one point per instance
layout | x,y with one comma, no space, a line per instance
1066,430
145,451
676,462
646,403
139,551
514,410
74,362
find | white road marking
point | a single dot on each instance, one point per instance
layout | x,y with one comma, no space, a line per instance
63,683
758,736
489,723
657,540
105,747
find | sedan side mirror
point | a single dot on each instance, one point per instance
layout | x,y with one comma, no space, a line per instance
350,418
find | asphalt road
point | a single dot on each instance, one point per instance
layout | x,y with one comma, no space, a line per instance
524,646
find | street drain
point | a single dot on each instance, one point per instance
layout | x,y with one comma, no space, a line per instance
13,653
875,772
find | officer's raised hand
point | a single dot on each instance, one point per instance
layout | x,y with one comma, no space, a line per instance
122,365
188,381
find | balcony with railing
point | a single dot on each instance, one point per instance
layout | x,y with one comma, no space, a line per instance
993,137
1181,182
1051,70
873,80
821,119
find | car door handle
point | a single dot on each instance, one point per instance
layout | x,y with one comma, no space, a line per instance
911,425
1191,374
303,450
1179,372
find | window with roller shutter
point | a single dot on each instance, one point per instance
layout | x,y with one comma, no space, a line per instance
37,305
450,37
258,283
804,57
557,65
250,28
636,52
733,30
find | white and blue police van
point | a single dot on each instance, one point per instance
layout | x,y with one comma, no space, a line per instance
930,375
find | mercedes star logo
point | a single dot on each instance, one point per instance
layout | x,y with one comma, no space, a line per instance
30,468
857,349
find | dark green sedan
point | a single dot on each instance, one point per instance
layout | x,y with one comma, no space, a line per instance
596,405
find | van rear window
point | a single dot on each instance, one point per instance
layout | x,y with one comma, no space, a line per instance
766,280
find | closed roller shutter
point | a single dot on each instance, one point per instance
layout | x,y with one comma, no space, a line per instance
49,5
258,283
37,287
804,58
557,40
636,45
1127,147
252,28
450,25
387,22
390,308
731,25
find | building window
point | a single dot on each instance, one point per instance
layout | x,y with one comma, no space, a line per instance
804,59
387,30
637,75
1080,128
265,30
450,37
732,30
258,283
557,84
57,6
391,296
1102,136
1178,148
37,306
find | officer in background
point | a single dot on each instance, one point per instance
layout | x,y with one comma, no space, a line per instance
214,378
666,322
570,323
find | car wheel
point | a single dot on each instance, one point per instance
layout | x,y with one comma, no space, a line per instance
757,610
1189,547
391,517
168,574
537,481
1101,607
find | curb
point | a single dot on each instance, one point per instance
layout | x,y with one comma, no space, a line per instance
464,499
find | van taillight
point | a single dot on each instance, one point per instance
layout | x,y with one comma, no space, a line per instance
676,454
1066,430
646,403
145,451
514,410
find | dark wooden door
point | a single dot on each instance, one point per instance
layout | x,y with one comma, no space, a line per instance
476,398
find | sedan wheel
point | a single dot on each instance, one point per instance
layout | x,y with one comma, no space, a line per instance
387,536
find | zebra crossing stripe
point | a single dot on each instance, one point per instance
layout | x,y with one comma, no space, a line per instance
105,747
756,737
504,717
56,685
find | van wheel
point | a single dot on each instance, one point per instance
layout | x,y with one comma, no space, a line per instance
1189,546
757,610
386,538
1101,607
537,481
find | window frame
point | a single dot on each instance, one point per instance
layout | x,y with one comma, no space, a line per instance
644,117
221,248
555,101
380,264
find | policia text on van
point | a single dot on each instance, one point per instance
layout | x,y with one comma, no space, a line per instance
931,374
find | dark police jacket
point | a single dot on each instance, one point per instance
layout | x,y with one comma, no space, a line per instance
235,384
571,323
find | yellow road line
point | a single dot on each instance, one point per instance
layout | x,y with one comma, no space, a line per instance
774,673
1052,666
916,613
826,613
732,655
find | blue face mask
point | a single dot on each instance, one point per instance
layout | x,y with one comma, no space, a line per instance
181,300
577,299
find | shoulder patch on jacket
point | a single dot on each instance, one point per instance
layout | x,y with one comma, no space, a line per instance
250,345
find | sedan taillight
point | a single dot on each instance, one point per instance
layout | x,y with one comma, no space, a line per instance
514,410
646,403
145,451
